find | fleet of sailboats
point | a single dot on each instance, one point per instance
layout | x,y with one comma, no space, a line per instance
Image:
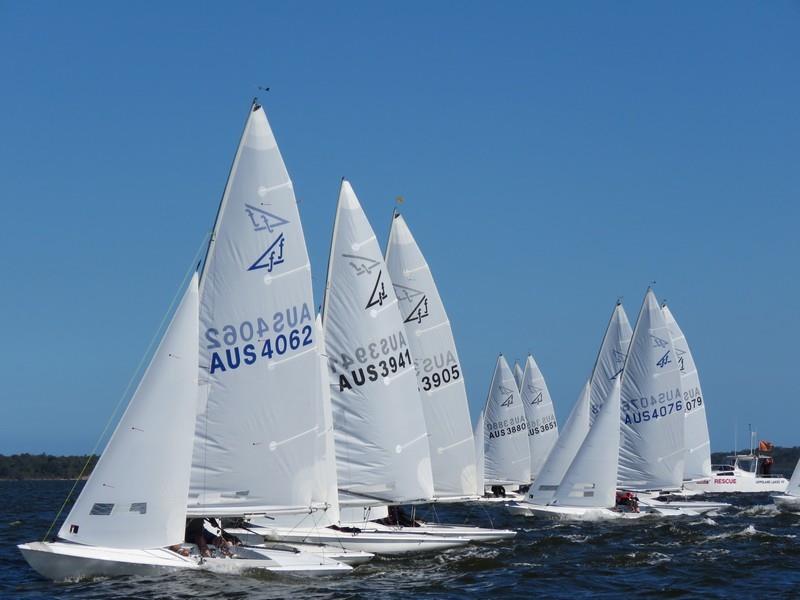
298,437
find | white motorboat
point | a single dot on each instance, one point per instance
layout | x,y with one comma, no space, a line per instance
744,475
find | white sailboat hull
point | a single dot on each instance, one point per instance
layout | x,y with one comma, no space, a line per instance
569,512
474,534
685,506
741,482
61,561
372,541
787,502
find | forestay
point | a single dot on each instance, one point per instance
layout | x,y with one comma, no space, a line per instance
506,452
698,445
540,415
652,450
136,495
591,480
439,375
257,426
610,358
381,439
563,452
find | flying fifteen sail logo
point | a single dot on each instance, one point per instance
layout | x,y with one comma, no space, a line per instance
664,360
619,357
272,257
362,265
263,220
509,395
415,297
679,353
658,342
378,294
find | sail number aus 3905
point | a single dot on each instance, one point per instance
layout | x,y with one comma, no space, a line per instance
446,375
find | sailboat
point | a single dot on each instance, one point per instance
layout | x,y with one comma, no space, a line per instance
606,370
381,441
653,451
506,453
539,413
789,501
204,434
440,381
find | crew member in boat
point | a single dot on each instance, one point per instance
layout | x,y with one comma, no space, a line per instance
196,533
627,500
499,491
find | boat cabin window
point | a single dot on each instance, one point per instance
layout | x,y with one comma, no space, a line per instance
746,464
101,508
139,507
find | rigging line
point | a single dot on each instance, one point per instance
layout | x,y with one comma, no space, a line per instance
134,377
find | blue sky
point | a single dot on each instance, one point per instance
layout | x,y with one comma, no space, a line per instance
552,158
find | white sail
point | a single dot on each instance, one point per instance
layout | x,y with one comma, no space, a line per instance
326,488
698,445
518,374
610,358
652,449
257,425
540,414
439,374
563,452
794,483
479,462
591,480
381,439
136,495
506,453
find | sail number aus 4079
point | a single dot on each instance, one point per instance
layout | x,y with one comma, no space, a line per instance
446,375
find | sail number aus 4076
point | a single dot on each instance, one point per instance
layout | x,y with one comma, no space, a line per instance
446,375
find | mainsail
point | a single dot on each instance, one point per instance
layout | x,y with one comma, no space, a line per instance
606,370
698,445
439,375
652,450
258,417
540,414
136,495
591,480
382,447
506,452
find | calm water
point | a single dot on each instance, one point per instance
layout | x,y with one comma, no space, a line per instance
751,551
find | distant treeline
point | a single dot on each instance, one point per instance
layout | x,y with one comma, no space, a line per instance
785,459
43,466
47,466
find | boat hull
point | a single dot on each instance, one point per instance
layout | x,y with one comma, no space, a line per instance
61,561
570,512
474,534
787,503
373,542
